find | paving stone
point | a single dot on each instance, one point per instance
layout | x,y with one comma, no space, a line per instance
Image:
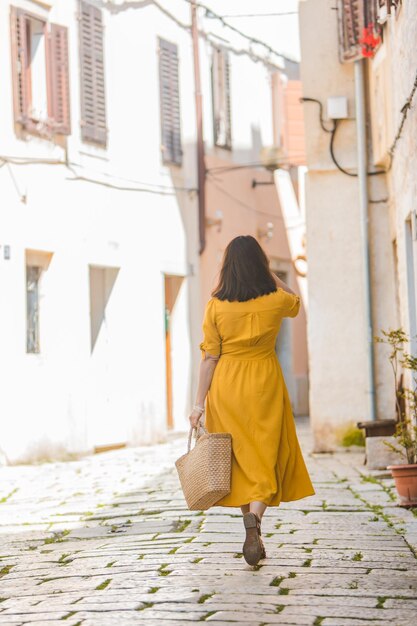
109,540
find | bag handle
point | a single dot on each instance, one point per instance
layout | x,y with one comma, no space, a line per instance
197,434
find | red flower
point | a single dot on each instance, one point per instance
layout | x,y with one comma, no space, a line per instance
370,41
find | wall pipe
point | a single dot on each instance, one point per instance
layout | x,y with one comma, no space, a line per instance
364,220
201,166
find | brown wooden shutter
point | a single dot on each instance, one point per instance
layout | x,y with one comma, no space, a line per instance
222,121
58,69
20,75
93,95
170,102
351,24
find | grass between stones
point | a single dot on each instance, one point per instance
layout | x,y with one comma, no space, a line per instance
205,597
57,537
358,556
104,584
381,601
162,571
279,608
5,570
68,615
276,581
181,525
145,605
153,589
307,563
110,563
9,495
376,481
318,621
199,558
206,616
283,591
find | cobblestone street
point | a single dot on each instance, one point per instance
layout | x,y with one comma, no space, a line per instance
108,540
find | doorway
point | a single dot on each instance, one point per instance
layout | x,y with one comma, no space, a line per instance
172,284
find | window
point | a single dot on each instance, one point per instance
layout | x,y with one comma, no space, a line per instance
220,76
102,281
33,275
170,103
93,92
40,74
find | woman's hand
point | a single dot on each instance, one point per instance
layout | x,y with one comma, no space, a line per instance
194,418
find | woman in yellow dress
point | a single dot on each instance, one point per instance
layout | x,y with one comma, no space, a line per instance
242,385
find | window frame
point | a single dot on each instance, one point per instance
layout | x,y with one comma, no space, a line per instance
23,80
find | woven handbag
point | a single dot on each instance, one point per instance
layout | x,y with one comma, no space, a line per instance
205,471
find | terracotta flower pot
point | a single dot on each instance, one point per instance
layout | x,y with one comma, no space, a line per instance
405,478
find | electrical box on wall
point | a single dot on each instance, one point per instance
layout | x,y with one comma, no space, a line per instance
337,107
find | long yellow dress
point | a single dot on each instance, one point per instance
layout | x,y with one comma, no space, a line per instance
248,398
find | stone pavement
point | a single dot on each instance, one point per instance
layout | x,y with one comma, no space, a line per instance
108,540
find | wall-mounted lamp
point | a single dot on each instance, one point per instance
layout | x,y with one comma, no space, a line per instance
215,221
266,233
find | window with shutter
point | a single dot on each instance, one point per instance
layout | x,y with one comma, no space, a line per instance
59,79
40,74
19,65
93,94
351,25
360,31
170,103
220,75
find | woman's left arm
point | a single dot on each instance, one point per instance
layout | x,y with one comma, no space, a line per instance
207,367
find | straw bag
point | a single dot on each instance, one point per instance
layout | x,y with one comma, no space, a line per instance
205,471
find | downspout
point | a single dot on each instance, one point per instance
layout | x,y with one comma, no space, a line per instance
201,167
364,220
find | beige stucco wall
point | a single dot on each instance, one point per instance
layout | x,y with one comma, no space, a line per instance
339,383
245,211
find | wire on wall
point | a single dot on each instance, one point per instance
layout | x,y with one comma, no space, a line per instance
138,186
332,132
404,112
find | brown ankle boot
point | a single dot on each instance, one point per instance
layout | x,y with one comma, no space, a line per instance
253,549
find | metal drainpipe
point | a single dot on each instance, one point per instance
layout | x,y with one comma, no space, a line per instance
364,218
200,142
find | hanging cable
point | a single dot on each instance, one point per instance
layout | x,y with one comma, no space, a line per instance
326,130
332,132
406,107
254,40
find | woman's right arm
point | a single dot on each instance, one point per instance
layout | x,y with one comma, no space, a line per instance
280,284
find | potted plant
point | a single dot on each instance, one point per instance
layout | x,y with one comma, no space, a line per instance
404,474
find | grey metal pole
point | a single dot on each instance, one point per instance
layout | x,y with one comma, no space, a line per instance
363,208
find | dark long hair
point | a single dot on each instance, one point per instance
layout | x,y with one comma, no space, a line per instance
245,272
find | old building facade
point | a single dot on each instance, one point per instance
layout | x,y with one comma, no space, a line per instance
103,284
357,77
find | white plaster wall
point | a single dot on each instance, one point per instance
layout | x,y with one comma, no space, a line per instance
339,384
67,399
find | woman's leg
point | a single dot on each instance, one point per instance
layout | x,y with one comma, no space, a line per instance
244,508
258,507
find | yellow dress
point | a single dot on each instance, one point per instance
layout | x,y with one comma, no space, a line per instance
248,398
